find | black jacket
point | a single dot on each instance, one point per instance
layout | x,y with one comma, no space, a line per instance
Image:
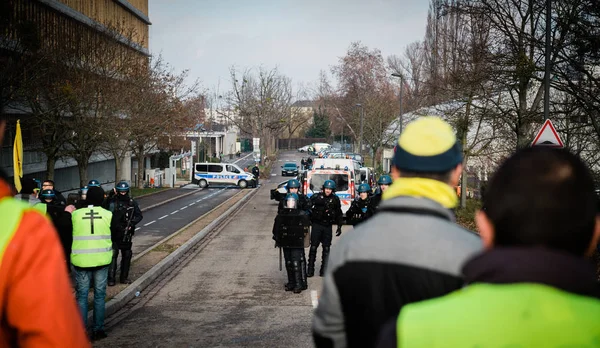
326,210
118,206
359,211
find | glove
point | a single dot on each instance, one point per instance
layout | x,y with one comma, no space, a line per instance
338,232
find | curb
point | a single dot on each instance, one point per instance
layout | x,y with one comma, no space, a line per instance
129,293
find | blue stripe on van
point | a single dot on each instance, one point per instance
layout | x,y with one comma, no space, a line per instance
220,176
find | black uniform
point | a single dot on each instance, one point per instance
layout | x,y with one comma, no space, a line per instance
325,211
63,224
127,212
289,230
360,210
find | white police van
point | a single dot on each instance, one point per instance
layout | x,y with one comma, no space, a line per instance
206,174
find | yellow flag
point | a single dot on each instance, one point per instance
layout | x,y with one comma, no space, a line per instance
18,157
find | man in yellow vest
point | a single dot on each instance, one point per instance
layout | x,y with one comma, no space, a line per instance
91,255
532,287
36,304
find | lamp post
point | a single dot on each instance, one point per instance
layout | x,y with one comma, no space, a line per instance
548,67
362,116
400,99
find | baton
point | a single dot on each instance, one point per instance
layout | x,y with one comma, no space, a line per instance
280,252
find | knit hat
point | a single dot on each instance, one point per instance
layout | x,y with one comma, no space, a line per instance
95,196
427,144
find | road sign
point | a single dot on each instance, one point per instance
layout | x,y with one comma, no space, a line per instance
256,142
547,136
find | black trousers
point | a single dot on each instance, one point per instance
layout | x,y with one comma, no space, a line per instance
320,234
126,255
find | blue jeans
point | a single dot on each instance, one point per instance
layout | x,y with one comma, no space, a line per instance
83,280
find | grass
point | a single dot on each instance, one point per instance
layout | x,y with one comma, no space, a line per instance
137,192
466,216
166,247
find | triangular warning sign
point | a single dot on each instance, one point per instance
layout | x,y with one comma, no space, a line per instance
547,136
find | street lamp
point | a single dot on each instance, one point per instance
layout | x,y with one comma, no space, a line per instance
362,116
401,92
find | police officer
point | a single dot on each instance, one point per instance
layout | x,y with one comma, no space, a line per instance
60,216
326,210
49,185
256,172
384,182
128,214
291,227
361,208
93,183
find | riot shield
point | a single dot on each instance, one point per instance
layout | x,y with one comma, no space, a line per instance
291,230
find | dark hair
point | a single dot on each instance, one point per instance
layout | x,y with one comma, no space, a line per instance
48,180
542,197
443,176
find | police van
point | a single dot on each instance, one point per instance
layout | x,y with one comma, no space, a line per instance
341,171
206,174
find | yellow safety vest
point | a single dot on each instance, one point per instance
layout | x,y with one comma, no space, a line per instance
92,245
11,212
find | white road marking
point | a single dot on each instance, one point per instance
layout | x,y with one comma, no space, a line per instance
137,228
189,205
250,154
162,217
150,223
182,208
314,297
175,212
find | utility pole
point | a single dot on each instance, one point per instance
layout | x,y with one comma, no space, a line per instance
400,118
548,62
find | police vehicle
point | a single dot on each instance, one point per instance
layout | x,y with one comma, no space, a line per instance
206,174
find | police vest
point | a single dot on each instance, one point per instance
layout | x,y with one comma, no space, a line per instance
11,212
507,315
92,245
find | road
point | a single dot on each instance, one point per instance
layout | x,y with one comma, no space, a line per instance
226,292
163,220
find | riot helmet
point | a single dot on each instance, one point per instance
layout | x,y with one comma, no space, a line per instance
329,184
291,201
122,187
293,183
384,180
48,195
94,183
364,188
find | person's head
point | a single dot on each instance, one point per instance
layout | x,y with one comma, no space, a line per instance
291,201
95,196
428,148
328,187
384,182
363,191
47,195
122,188
83,193
541,197
293,185
48,185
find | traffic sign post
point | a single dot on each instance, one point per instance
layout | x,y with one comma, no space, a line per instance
548,136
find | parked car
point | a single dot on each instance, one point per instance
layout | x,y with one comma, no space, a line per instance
303,148
289,169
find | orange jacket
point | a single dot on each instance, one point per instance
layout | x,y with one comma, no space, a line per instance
37,306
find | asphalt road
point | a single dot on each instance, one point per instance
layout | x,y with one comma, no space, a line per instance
162,221
225,292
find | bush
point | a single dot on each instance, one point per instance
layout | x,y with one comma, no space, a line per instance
466,216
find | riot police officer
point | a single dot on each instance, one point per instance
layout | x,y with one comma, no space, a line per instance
361,208
94,183
326,210
384,182
256,172
60,216
291,227
128,214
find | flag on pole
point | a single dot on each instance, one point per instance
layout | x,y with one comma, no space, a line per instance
18,157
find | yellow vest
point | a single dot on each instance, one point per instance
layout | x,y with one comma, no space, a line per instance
92,245
11,212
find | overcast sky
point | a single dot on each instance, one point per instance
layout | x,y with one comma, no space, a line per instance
298,37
